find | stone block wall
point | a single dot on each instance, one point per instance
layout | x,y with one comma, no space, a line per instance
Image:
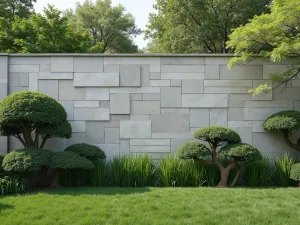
150,103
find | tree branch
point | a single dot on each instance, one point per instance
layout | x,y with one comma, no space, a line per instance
289,142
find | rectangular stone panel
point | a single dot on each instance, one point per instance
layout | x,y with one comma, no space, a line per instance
149,149
199,118
69,107
68,92
124,147
155,76
49,87
218,117
205,100
62,64
269,104
181,76
154,68
91,114
174,111
145,107
235,114
226,90
23,68
132,60
170,97
33,82
112,135
273,69
97,94
177,143
78,126
119,103
95,132
175,83
153,142
145,75
182,60
32,60
228,83
182,68
96,79
136,97
137,117
159,83
24,79
143,90
151,97
88,64
86,104
192,86
173,135
135,129
13,80
212,72
111,150
168,123
111,68
55,76
261,113
241,72
130,75
240,123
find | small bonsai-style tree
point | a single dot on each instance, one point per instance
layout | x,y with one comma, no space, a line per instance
216,137
295,173
30,116
68,161
90,152
285,122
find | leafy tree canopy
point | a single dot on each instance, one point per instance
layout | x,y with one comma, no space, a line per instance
274,36
70,160
193,150
110,28
39,33
198,26
11,8
241,152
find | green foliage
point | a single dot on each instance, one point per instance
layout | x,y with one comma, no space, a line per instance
110,28
17,162
258,173
241,152
27,159
24,112
39,33
198,26
196,174
284,121
99,175
133,171
218,135
283,167
1,160
87,151
193,150
274,36
13,185
295,172
70,160
11,8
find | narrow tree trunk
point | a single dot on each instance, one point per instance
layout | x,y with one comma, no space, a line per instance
224,178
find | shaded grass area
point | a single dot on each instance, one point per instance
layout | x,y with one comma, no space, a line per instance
210,206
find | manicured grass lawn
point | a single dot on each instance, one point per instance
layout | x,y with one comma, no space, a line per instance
154,206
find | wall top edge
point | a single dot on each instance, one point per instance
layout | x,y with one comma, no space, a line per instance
111,55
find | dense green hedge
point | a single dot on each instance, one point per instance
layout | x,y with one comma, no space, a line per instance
87,151
70,160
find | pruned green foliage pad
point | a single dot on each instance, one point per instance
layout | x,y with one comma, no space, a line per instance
193,150
295,172
285,121
87,151
241,151
70,160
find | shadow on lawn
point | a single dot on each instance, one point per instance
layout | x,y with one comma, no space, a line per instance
5,206
97,191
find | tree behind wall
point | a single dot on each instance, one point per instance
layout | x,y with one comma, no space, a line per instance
110,28
198,26
11,8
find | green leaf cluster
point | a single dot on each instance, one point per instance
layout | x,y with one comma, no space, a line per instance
241,152
90,152
70,160
295,172
283,121
193,150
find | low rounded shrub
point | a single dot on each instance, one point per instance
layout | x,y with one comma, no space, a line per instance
193,150
295,172
70,160
241,152
87,151
218,135
27,159
285,121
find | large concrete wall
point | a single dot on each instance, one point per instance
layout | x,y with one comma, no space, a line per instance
151,103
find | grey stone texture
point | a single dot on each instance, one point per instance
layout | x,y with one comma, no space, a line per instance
150,103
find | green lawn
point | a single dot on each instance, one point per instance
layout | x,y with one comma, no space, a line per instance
154,206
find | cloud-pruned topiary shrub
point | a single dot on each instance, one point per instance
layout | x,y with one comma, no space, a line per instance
68,161
90,152
1,160
27,159
217,137
295,172
30,115
193,150
285,122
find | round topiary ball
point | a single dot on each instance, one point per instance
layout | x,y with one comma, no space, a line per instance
193,150
31,106
295,172
17,162
27,159
284,121
70,160
218,135
241,152
87,151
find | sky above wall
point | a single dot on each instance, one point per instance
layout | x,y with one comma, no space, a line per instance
140,9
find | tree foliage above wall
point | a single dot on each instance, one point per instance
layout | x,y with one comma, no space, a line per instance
198,26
